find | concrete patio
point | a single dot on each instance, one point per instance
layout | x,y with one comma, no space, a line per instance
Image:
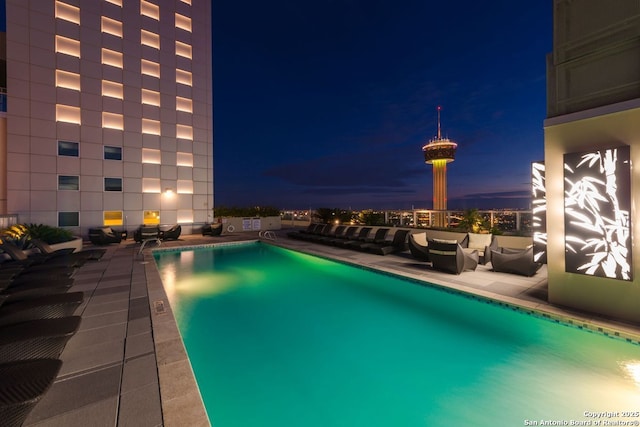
127,364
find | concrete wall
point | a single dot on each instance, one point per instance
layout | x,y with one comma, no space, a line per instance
604,127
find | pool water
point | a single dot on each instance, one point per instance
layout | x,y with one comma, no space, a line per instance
280,338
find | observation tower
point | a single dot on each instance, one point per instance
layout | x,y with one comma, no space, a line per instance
438,152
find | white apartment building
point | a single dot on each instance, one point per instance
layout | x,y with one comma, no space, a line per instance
109,115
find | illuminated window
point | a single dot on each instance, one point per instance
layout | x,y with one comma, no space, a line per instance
149,9
112,153
150,68
67,114
111,26
112,121
184,159
151,217
148,38
184,104
183,22
183,49
151,185
116,2
67,80
111,218
67,12
111,57
68,182
149,155
184,132
183,77
150,97
185,186
113,184
68,219
112,89
68,46
68,148
151,127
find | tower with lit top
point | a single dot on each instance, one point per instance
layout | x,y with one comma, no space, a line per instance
438,152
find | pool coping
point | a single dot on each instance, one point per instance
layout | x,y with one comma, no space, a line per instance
181,400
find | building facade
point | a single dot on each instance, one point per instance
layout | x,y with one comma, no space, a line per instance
109,112
592,141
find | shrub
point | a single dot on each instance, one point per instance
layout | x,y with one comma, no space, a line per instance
20,234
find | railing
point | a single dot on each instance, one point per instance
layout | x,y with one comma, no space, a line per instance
8,220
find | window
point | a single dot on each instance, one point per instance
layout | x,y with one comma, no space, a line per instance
150,39
68,219
111,218
67,80
68,46
151,217
67,148
183,22
68,182
112,153
113,184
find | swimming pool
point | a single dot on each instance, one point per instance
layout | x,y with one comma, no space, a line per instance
280,338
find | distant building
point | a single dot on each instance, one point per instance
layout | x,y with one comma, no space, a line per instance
592,137
107,116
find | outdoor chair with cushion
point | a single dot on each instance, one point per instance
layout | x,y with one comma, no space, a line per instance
105,236
397,244
450,257
417,243
173,233
212,229
516,261
484,243
326,239
146,232
378,238
362,235
47,307
348,234
46,249
37,261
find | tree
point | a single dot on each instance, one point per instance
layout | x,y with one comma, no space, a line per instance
472,221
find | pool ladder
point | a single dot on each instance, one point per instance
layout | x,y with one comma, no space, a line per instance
267,235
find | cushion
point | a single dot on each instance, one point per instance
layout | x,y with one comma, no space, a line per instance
479,241
449,242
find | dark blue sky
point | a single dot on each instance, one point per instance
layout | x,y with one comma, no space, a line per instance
327,103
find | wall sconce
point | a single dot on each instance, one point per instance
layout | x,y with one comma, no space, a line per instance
168,191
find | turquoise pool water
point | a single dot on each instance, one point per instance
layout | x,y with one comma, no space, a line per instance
280,338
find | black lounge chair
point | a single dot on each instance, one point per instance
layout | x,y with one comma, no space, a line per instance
450,257
347,235
397,244
87,254
332,235
36,289
515,261
23,385
378,238
105,235
36,261
47,307
359,238
36,339
172,233
417,243
212,229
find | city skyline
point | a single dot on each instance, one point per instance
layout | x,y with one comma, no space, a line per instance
329,105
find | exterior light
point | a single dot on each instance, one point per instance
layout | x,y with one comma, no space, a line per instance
168,191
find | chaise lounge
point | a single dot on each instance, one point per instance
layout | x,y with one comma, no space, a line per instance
515,261
450,257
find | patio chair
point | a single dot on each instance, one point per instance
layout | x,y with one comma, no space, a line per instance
347,235
173,233
417,243
515,261
146,232
450,257
484,243
378,238
23,385
36,261
105,235
88,254
398,244
36,339
362,235
212,229
47,307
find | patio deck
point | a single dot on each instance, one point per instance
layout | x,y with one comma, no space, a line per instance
127,364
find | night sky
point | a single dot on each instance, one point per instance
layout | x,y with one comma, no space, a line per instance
327,103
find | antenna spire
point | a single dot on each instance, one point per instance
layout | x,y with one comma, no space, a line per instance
439,108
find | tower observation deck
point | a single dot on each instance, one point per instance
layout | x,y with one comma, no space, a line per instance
438,152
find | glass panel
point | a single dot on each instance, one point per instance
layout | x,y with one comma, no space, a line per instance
67,148
112,153
68,219
66,182
113,184
151,217
112,218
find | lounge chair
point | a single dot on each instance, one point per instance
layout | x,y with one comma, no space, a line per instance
36,339
105,235
348,234
23,385
483,243
378,238
515,261
339,231
212,229
362,235
173,233
296,234
47,307
46,249
450,257
418,246
37,260
397,244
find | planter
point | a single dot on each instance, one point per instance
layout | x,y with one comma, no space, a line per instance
76,244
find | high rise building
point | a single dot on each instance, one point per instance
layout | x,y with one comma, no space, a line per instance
438,152
108,113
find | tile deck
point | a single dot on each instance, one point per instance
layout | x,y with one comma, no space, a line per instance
127,365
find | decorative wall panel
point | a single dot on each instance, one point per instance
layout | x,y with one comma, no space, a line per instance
539,211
